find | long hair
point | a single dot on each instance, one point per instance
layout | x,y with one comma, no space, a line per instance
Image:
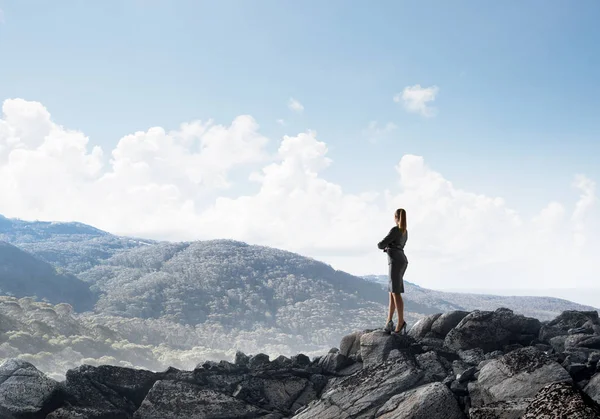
401,217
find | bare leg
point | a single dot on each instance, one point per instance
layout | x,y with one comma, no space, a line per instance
400,307
392,309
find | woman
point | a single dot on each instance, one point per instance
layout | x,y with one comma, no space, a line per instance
393,245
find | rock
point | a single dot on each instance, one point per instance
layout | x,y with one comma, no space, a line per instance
472,356
476,394
350,344
175,400
333,362
430,401
459,366
281,362
76,412
363,393
558,343
108,388
423,326
431,363
375,346
458,388
565,321
300,360
432,342
466,375
592,389
561,400
241,358
511,347
593,358
494,354
575,369
519,374
258,360
351,369
509,409
25,392
447,321
542,347
491,330
584,329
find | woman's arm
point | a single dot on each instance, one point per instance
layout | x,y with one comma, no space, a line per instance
388,239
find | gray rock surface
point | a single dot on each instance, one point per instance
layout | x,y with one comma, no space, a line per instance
519,374
25,392
510,409
561,400
492,330
423,326
175,400
565,321
592,389
363,393
430,401
447,321
376,346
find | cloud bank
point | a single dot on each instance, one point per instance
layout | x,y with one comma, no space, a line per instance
171,185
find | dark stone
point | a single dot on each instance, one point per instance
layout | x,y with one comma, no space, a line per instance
241,358
561,400
491,330
466,375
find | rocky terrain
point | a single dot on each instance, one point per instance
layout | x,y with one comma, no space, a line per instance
479,364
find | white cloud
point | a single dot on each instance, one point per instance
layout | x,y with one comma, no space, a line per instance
416,98
375,132
167,185
295,106
281,122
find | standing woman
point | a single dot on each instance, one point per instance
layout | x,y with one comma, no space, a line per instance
393,245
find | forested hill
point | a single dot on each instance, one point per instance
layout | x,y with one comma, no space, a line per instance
229,281
23,275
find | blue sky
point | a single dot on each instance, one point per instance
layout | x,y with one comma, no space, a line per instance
518,102
516,114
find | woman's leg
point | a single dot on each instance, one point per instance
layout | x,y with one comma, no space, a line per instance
392,309
399,303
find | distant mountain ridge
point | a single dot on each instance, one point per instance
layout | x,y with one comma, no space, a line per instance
71,245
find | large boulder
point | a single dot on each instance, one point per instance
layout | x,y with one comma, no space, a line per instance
25,392
350,344
561,400
107,388
363,393
375,347
519,374
592,389
568,320
423,326
447,321
430,401
175,399
492,330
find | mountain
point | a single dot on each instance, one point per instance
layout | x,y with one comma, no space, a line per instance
23,275
72,246
543,308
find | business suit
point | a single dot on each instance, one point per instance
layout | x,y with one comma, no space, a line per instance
394,244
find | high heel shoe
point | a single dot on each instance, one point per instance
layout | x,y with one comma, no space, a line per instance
402,329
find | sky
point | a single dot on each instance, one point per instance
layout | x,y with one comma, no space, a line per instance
304,125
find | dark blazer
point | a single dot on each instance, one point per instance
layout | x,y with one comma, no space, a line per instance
394,243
